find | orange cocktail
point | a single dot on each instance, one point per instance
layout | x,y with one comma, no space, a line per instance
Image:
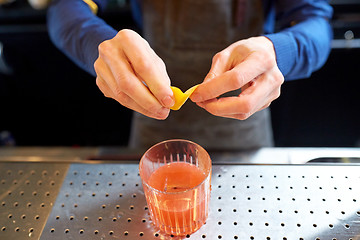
177,185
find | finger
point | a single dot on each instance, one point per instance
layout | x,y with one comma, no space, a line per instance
103,72
219,65
104,88
122,80
231,80
238,116
126,101
148,66
246,86
228,106
244,116
265,106
251,100
210,76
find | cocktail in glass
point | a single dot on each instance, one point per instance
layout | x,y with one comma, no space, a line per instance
176,177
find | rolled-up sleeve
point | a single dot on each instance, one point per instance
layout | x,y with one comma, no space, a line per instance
77,31
303,43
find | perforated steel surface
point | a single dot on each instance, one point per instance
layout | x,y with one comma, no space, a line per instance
288,202
98,202
27,194
248,202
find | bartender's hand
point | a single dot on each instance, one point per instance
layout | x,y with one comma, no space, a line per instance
247,64
130,72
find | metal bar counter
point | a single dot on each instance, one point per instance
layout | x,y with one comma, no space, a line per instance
73,198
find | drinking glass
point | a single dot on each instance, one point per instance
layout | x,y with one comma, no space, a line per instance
176,177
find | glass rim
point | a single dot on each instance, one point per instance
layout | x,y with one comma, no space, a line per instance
180,192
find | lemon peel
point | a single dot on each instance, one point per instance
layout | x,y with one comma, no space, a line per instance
180,97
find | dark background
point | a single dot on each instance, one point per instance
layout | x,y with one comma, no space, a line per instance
45,100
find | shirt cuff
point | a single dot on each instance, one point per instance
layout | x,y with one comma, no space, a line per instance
285,50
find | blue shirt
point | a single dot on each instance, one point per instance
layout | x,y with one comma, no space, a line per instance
302,42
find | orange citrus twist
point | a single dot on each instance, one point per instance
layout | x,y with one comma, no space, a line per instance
180,97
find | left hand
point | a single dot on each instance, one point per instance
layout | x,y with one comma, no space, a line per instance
248,64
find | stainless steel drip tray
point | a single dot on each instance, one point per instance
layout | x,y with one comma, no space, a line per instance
106,201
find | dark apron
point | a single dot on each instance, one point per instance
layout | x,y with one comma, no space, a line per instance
186,34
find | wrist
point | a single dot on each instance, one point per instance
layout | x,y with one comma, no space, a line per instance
285,51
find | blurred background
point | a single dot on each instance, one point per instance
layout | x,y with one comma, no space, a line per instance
46,100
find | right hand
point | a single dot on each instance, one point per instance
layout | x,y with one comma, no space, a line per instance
129,71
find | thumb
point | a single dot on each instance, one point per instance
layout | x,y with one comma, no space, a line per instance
218,66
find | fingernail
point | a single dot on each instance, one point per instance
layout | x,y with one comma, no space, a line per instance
168,102
163,113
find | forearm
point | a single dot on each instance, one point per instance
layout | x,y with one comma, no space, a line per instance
77,32
304,47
